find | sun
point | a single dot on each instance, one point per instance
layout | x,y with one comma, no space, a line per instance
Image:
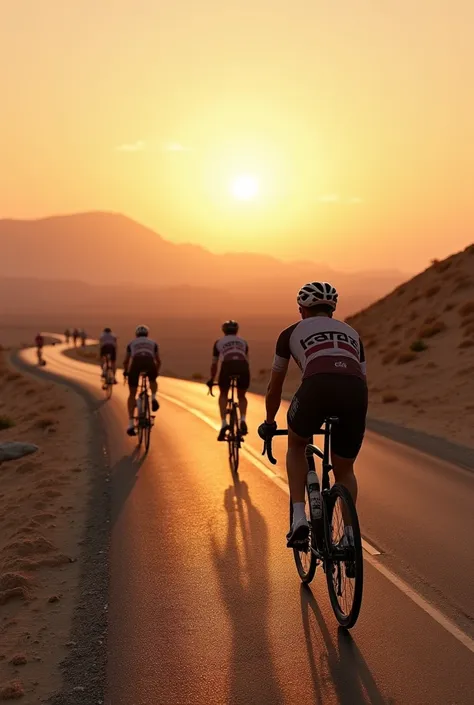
245,187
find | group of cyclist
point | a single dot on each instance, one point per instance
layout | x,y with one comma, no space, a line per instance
76,335
330,355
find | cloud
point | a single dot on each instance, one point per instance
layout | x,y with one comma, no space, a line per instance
329,198
137,146
176,147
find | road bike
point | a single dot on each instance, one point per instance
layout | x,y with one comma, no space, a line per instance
233,436
109,377
144,421
334,537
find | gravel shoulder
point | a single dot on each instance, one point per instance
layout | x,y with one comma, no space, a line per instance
74,671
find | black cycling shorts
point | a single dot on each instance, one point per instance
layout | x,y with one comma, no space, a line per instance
145,364
110,350
323,395
239,368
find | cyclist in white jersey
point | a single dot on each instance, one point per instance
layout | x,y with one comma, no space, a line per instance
331,357
233,353
142,356
108,347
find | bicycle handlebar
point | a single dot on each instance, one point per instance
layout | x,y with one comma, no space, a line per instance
267,444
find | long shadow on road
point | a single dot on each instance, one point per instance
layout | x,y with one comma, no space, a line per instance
343,663
241,566
123,476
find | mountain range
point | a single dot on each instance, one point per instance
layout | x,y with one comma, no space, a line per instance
107,260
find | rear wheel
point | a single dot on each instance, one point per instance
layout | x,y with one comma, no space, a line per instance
234,439
147,422
344,575
109,382
305,560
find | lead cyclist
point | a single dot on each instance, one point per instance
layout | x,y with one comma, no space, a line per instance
331,357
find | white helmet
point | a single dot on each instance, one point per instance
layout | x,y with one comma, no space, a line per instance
141,331
316,293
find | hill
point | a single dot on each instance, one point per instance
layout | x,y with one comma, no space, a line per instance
420,350
111,250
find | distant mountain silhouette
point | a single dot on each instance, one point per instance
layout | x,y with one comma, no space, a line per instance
115,253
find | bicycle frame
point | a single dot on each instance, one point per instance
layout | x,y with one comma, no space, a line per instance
321,540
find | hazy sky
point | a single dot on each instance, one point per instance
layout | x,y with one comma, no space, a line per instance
356,117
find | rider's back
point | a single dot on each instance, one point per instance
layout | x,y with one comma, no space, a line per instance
230,348
320,344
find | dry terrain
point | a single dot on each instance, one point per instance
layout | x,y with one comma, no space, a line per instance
43,499
420,351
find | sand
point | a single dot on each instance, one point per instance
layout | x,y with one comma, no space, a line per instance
420,351
43,499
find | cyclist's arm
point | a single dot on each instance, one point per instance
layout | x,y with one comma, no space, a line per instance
215,361
279,370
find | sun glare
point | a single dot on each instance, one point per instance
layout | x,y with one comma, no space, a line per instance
245,187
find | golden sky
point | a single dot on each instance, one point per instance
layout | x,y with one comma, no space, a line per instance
356,117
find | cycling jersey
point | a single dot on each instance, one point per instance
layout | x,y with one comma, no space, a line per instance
230,347
108,339
321,345
142,347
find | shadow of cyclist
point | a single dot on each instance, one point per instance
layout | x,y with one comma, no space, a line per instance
123,477
348,672
241,566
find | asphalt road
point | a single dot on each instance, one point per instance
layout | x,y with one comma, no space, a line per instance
205,604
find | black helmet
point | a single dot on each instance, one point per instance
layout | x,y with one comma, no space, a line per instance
230,327
107,330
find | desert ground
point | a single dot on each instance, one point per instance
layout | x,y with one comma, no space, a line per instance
43,501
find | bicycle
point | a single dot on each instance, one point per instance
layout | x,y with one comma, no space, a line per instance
39,355
341,559
144,420
109,378
234,436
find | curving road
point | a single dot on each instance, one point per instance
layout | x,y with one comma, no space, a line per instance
206,606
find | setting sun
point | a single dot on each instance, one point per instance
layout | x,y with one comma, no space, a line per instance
245,187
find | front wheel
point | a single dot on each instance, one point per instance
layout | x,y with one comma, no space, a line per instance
345,565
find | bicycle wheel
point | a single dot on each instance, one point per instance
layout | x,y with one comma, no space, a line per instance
345,577
109,382
233,440
147,423
305,560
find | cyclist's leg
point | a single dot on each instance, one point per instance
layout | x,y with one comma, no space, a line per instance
133,377
153,380
243,383
350,406
224,386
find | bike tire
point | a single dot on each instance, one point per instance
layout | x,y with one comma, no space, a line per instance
334,569
233,440
147,420
305,561
108,383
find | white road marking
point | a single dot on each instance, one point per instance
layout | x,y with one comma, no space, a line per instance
420,601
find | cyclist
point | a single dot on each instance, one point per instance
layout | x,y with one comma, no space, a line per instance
233,352
142,356
331,357
108,347
39,342
75,336
67,335
83,336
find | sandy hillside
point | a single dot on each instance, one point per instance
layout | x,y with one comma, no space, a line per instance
42,509
420,350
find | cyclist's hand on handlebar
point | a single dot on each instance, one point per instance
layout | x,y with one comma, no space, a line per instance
210,384
266,430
